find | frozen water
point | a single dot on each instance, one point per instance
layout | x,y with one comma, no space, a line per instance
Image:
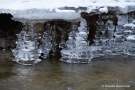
27,51
76,49
116,43
77,46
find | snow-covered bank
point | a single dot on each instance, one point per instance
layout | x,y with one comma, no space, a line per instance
56,9
53,4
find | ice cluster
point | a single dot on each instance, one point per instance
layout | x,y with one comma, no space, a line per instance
48,41
27,51
77,48
110,41
117,42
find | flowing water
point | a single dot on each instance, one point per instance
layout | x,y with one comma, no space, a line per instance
52,74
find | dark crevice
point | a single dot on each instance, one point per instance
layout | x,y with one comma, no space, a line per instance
8,29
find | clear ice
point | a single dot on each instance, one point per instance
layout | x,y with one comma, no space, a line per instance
27,51
108,42
77,48
115,42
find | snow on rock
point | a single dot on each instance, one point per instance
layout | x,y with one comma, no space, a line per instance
104,9
49,9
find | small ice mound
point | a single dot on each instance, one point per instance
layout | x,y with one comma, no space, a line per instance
129,25
132,37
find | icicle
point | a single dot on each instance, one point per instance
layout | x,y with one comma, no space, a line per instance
77,46
26,51
46,45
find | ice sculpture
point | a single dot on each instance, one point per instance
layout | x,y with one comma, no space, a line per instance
77,46
118,42
27,51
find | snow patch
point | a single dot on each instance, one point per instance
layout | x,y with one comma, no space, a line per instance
49,9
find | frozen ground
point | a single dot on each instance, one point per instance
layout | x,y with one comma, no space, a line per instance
54,9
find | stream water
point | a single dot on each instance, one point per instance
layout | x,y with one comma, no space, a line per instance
52,74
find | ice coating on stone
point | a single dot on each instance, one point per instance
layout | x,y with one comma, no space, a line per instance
77,46
27,51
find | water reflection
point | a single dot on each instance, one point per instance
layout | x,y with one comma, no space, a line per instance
54,75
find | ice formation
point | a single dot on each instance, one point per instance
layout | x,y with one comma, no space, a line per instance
27,51
77,48
115,42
